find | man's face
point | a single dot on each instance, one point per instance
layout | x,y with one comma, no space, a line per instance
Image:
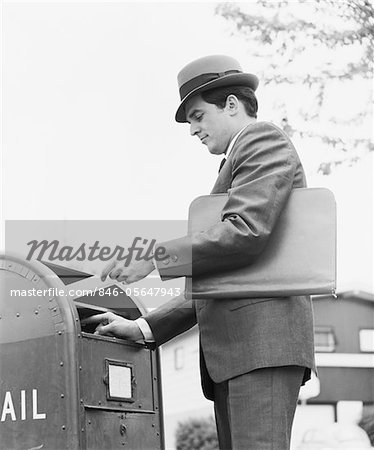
210,124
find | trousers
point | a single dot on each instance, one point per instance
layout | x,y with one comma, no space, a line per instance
255,411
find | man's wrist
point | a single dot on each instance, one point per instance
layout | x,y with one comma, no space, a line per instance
137,333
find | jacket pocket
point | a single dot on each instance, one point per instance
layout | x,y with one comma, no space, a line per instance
241,303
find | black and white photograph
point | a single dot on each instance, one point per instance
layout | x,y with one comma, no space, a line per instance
186,257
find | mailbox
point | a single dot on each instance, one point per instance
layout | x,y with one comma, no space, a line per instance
62,387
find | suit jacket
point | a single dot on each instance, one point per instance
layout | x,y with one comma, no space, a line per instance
241,335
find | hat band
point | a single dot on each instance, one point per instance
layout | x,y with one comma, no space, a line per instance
200,80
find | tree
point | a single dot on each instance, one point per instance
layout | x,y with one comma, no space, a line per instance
367,423
197,434
322,46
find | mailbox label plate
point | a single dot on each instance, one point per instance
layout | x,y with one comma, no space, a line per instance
120,380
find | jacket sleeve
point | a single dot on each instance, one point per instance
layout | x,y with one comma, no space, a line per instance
263,162
173,318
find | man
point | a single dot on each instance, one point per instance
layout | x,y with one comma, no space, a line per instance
255,352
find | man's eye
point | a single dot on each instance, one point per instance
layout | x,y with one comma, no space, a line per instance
198,117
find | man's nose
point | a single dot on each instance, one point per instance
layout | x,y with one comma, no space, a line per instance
194,129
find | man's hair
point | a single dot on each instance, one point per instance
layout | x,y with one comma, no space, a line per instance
246,95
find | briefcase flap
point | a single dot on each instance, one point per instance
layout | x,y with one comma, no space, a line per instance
299,258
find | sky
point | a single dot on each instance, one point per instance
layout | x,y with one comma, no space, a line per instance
89,94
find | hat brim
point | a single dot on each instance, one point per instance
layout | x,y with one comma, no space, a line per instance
237,79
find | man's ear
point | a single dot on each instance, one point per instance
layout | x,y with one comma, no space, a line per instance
232,104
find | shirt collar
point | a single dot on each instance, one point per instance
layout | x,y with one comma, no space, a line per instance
233,140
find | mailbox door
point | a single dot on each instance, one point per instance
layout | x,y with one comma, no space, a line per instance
120,392
101,356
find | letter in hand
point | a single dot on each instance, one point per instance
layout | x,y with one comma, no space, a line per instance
135,271
110,324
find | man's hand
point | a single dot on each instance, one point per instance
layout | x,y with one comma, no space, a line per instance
135,271
111,325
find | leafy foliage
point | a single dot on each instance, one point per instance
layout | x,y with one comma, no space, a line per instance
367,423
197,434
322,46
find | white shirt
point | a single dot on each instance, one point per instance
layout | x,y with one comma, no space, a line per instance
234,139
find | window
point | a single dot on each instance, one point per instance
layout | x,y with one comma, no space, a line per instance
367,340
179,358
324,339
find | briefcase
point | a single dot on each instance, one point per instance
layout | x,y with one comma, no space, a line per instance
299,258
